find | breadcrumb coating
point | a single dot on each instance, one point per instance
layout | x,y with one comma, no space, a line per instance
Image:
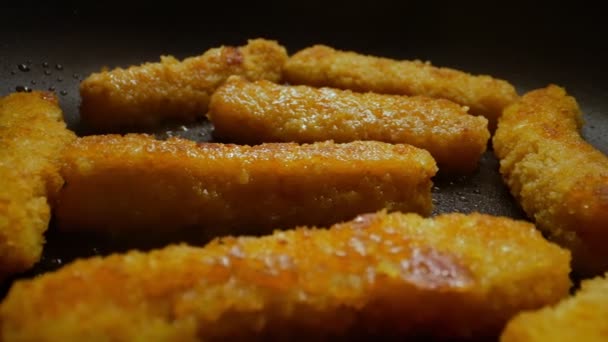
137,183
399,275
32,134
582,317
321,65
559,179
152,93
261,111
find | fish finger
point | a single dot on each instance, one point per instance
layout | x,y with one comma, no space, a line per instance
261,111
32,134
560,180
152,93
137,183
582,317
321,65
398,275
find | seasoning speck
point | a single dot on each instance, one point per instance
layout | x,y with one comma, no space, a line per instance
23,89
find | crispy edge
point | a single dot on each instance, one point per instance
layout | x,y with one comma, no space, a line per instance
32,133
215,183
262,111
172,90
321,65
560,180
163,293
582,317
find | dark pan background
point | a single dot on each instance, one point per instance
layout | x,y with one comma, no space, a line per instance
529,45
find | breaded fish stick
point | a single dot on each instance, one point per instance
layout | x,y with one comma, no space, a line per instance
323,66
453,276
583,317
136,183
560,180
146,95
32,134
263,112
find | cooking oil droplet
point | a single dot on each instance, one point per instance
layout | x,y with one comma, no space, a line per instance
59,67
436,188
23,67
59,79
33,82
45,64
47,72
63,92
52,88
462,198
75,76
184,128
23,89
476,191
57,261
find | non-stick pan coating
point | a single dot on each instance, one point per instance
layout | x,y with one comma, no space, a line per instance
530,47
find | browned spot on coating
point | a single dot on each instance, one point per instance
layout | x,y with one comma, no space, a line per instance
4,205
443,73
602,192
432,269
550,130
233,56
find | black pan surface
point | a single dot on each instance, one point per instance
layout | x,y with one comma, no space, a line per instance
531,46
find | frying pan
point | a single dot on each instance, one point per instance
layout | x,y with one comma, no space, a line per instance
54,46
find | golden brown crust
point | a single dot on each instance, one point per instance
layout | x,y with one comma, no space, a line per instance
137,183
387,274
321,65
582,317
32,134
560,180
261,111
146,95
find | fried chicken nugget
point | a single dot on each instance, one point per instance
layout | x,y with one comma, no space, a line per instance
32,134
321,65
583,317
255,112
560,180
146,95
137,183
454,276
